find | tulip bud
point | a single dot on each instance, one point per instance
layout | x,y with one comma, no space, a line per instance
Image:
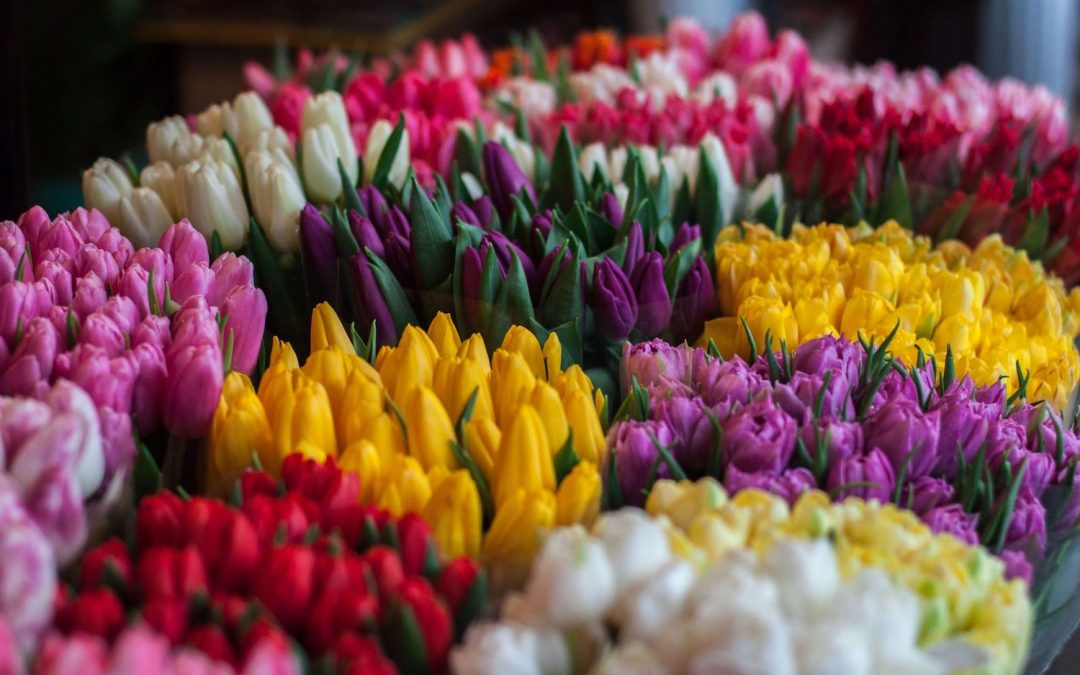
253,119
276,197
216,120
19,303
504,178
593,159
326,140
161,178
319,249
377,138
428,429
514,536
143,217
525,458
238,433
245,311
694,302
170,140
454,514
230,271
613,301
654,303
578,497
104,185
192,391
871,476
212,200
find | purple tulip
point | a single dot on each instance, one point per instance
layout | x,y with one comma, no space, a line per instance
694,302
869,476
484,210
635,247
1017,566
906,434
1005,437
611,211
841,439
504,178
148,360
192,390
366,235
90,225
994,396
613,301
472,265
649,361
539,229
787,485
926,493
1041,424
506,249
828,353
800,395
101,331
688,419
1040,470
1027,529
374,203
371,305
653,301
245,311
398,243
319,248
965,427
684,235
728,382
230,271
952,519
632,445
461,212
20,302
185,245
759,437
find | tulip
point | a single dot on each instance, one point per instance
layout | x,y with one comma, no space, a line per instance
428,429
454,382
613,301
870,476
409,365
787,485
319,248
694,303
635,247
143,217
109,382
954,520
372,304
633,446
906,434
285,584
161,178
170,140
514,535
239,431
584,421
28,573
654,303
377,138
327,330
524,460
212,200
454,514
104,185
504,178
578,497
759,437
406,488
19,303
245,311
276,197
192,391
230,271
362,459
195,281
28,368
195,324
572,581
299,411
326,141
361,404
253,119
512,383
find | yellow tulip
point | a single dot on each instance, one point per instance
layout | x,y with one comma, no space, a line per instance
524,460
868,314
309,450
327,331
545,400
725,332
582,417
363,400
511,384
444,335
409,365
473,349
454,382
428,429
521,340
553,354
405,487
299,411
239,431
453,512
362,459
878,268
282,360
385,433
767,315
482,439
514,537
333,367
578,497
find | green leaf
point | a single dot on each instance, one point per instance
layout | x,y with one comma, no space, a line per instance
404,641
471,605
612,497
951,227
347,245
1036,234
148,478
432,242
677,266
513,304
707,206
564,301
483,488
566,458
896,204
539,57
567,184
348,190
216,247
381,177
467,153
285,317
396,299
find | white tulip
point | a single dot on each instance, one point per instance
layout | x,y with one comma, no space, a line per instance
630,659
104,184
161,178
593,158
718,86
326,140
373,150
622,193
636,545
572,582
252,118
211,198
729,188
492,649
771,186
472,185
276,197
143,217
170,140
531,97
643,612
216,120
273,138
617,158
219,150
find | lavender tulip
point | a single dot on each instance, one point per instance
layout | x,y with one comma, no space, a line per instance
728,382
613,301
868,476
1027,529
648,361
840,439
688,419
611,211
787,485
953,520
965,426
653,301
635,451
1017,566
925,493
684,235
759,437
635,247
828,353
906,434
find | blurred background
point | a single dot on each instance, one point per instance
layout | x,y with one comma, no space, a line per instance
82,78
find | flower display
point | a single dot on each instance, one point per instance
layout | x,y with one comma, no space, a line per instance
1000,313
487,449
707,582
852,420
233,586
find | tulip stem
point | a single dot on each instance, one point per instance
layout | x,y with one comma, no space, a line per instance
173,468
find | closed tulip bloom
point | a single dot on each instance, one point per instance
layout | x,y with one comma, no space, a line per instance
362,402
362,459
19,303
276,197
428,429
331,368
584,421
170,140
524,460
504,178
545,400
386,434
238,433
654,303
613,301
195,280
212,200
454,382
454,514
326,139
373,307
474,349
185,245
148,359
327,330
28,368
408,365
444,335
373,150
299,411
578,497
482,439
521,340
143,217
101,331
104,184
253,119
230,271
193,389
245,311
29,571
161,178
406,488
520,520
512,383
869,476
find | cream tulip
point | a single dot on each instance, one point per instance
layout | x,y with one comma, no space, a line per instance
161,178
170,140
326,139
276,197
211,198
104,184
143,217
376,143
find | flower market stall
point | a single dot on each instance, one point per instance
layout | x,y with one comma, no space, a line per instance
677,353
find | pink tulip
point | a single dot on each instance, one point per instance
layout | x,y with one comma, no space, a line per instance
33,222
10,656
61,234
230,271
116,245
185,245
194,280
21,419
30,366
192,391
90,294
123,312
19,303
154,330
108,381
116,440
134,283
93,259
101,331
90,225
195,324
12,247
28,575
149,362
154,259
55,504
66,655
58,275
245,311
